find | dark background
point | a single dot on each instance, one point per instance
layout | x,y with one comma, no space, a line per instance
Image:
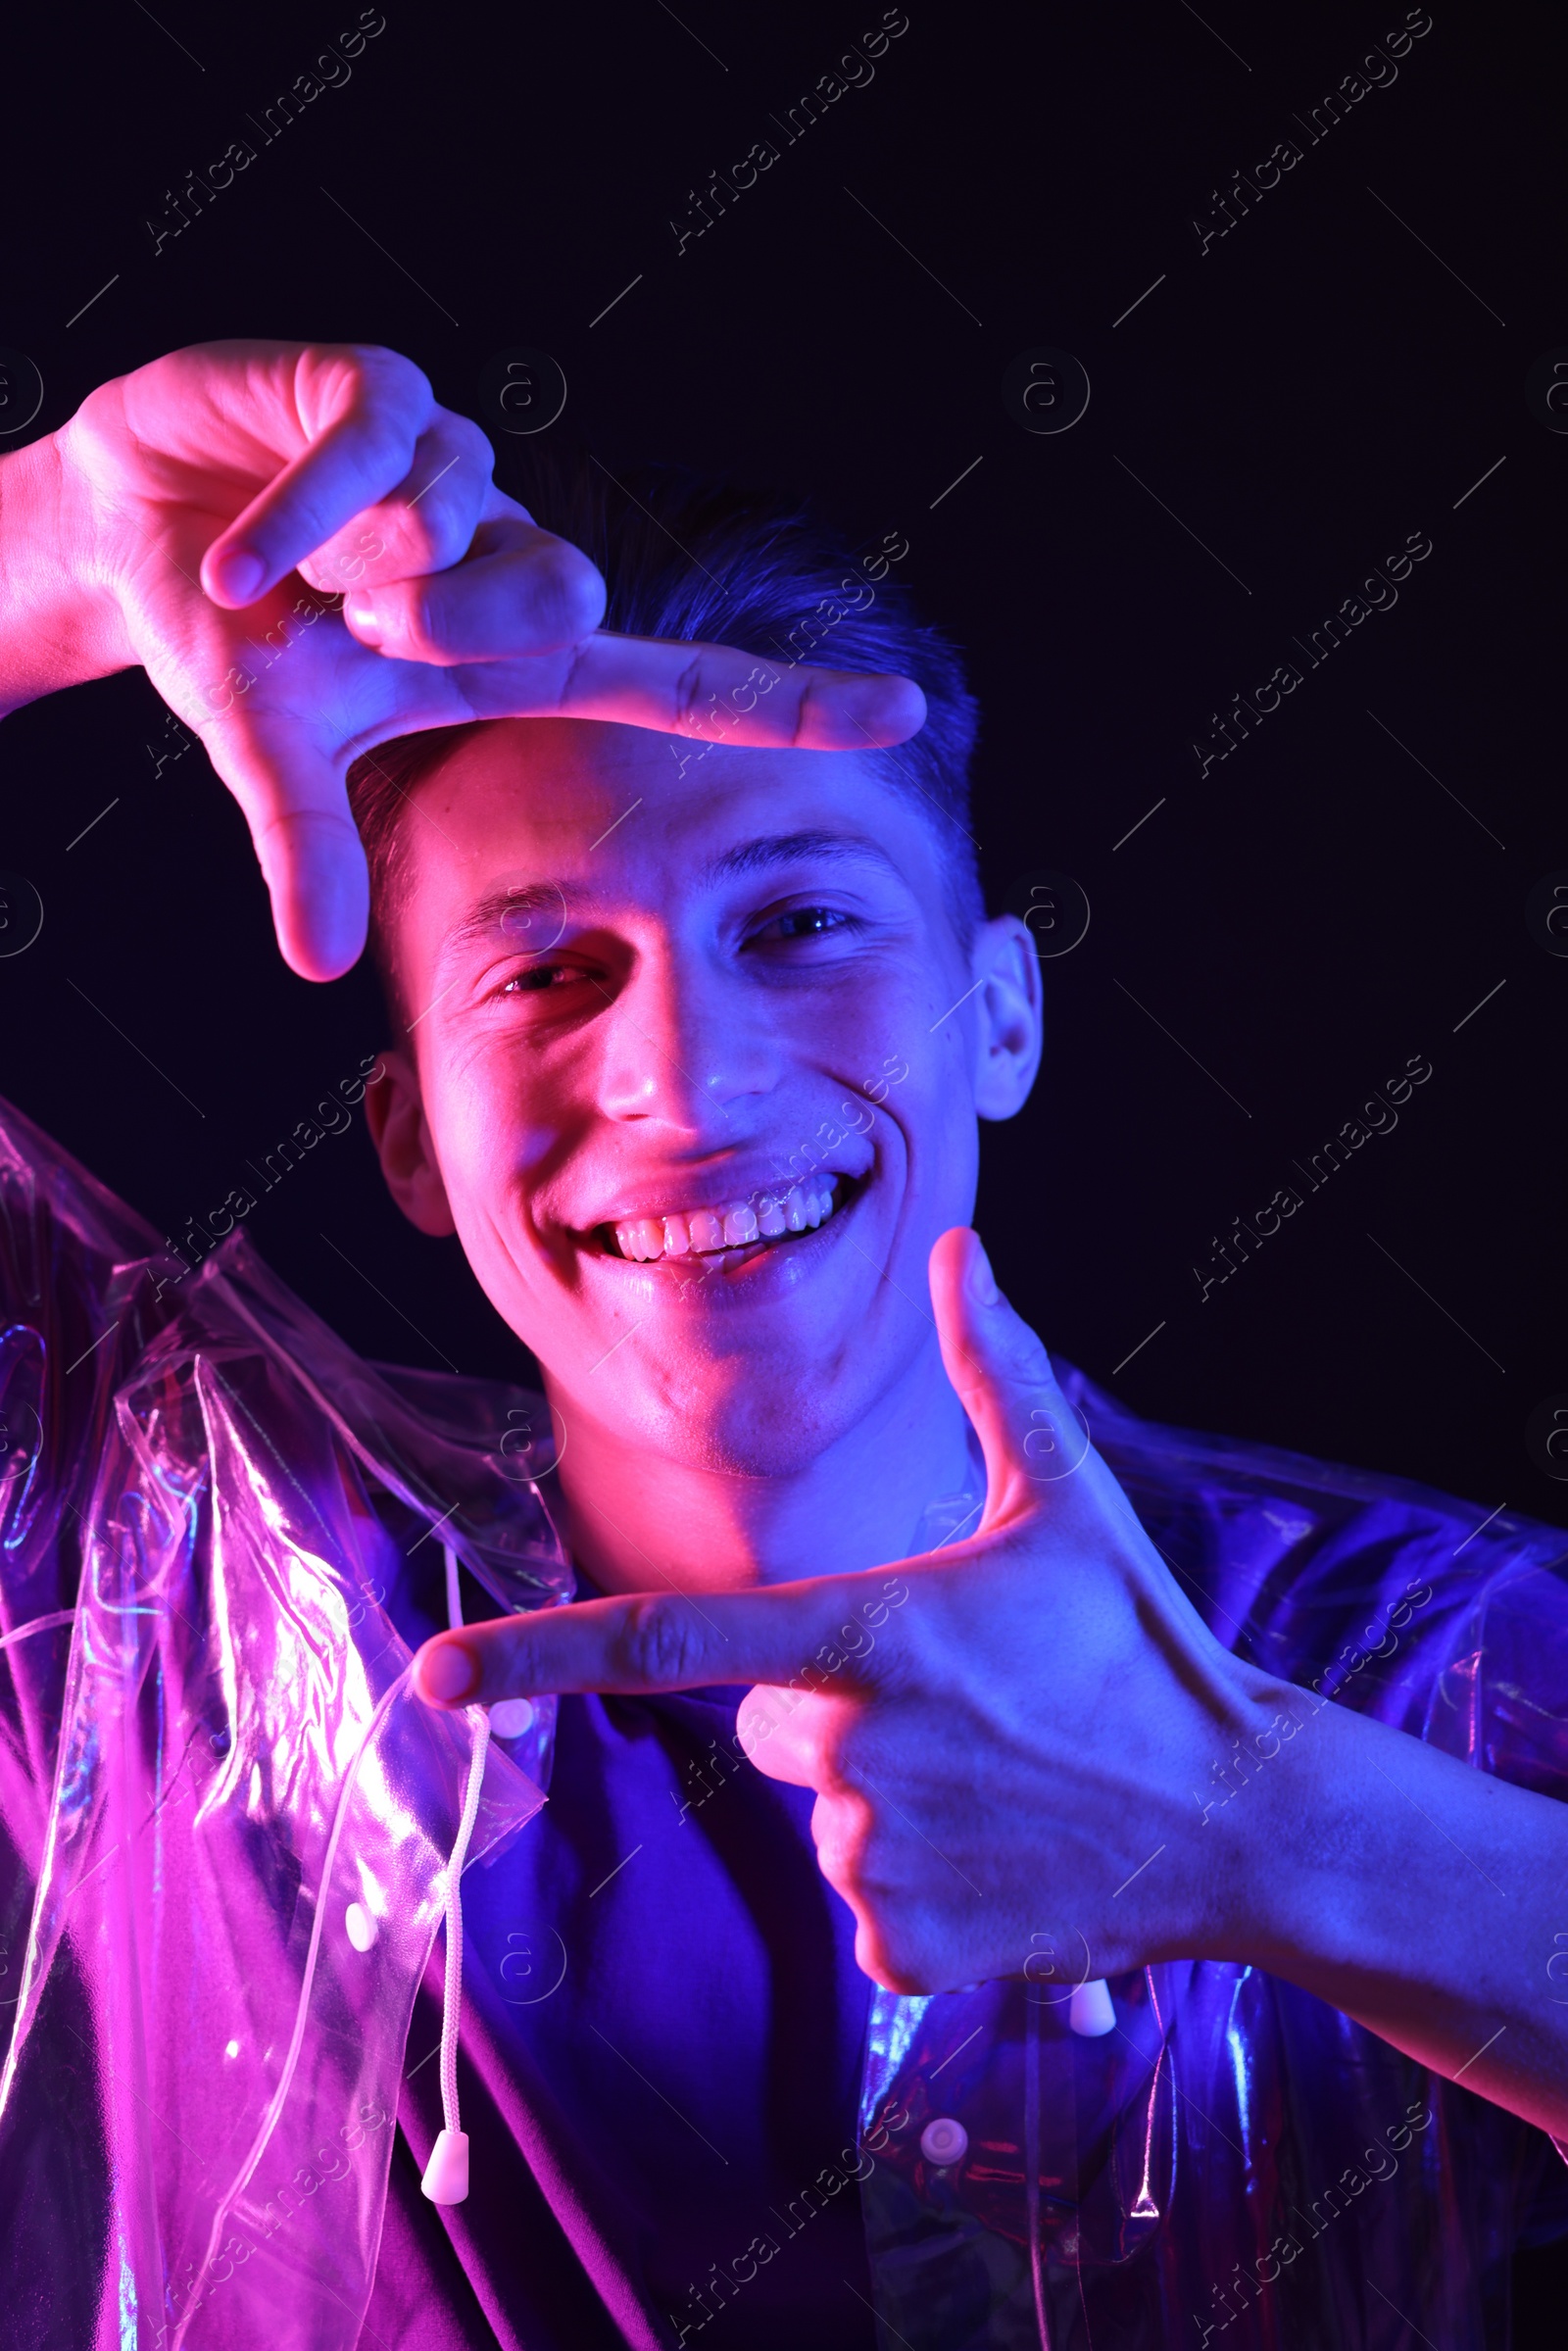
1323,381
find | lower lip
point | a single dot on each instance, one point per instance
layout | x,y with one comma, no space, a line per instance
745,1265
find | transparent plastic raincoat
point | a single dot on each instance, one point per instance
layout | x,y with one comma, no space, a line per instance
225,1820
225,1829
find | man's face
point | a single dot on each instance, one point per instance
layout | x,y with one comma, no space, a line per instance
662,999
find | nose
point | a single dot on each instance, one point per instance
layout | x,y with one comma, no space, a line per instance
677,1046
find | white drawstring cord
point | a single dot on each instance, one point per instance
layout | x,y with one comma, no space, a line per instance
446,2175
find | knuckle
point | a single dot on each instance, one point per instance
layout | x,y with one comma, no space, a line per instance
660,1644
803,706
1023,1353
470,446
384,443
816,1750
436,533
844,1831
902,1964
370,357
684,692
427,629
575,590
899,1945
507,1665
379,370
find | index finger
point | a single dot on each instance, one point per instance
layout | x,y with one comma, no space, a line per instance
712,693
783,1634
362,409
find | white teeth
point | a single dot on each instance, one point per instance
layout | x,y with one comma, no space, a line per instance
767,1216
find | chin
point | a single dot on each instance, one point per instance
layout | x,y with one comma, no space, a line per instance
767,1410
770,1423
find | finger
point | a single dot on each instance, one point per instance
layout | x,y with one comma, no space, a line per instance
713,693
787,1735
304,840
361,410
522,592
787,1635
426,523
1031,1437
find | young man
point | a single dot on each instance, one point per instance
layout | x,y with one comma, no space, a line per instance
1179,1962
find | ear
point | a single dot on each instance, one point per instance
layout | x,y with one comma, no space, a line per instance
394,1110
1008,1034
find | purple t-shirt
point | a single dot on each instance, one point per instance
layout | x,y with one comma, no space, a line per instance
661,2041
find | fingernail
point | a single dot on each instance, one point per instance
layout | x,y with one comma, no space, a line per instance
449,1672
982,1281
364,621
240,575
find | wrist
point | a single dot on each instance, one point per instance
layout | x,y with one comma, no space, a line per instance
1252,1838
1323,1843
59,623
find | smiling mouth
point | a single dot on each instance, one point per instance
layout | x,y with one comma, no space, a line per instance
726,1235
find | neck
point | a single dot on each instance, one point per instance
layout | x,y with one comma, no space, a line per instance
637,1520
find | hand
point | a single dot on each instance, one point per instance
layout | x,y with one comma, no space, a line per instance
172,521
1005,1737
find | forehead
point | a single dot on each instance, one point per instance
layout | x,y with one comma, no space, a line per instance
618,814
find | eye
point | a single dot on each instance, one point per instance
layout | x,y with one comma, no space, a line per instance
536,979
804,922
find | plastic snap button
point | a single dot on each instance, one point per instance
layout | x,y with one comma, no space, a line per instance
510,1717
362,1928
944,2141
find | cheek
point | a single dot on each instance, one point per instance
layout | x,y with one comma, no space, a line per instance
469,1131
939,1138
493,1148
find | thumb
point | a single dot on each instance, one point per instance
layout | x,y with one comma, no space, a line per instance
314,870
1032,1437
306,843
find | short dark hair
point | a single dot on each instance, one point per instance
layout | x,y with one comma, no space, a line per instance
689,556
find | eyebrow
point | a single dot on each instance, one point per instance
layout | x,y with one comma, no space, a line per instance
773,849
765,854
